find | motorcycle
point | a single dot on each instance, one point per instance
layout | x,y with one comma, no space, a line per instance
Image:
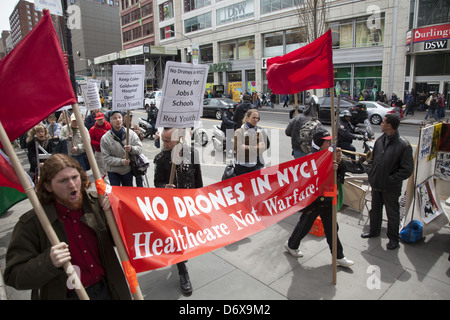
218,139
200,136
147,128
359,166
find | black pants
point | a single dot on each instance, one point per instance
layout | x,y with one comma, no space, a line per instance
306,221
238,169
390,200
98,291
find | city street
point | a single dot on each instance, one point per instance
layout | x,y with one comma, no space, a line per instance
258,267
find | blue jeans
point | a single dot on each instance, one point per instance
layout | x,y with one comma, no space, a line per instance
431,112
125,180
81,160
298,154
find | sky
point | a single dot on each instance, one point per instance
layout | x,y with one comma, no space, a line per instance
6,8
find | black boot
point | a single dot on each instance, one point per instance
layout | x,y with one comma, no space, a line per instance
185,284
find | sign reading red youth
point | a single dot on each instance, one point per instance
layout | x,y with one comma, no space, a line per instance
161,227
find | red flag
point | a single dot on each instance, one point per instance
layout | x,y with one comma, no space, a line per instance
11,190
309,67
34,81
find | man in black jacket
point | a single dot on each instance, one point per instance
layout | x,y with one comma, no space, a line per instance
186,176
392,163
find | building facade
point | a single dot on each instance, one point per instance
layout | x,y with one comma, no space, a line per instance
374,48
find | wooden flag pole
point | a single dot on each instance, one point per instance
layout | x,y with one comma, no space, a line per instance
129,271
40,213
334,206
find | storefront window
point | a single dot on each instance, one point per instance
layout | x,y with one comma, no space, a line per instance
268,6
206,53
342,79
273,44
246,48
235,12
227,50
367,79
369,31
437,64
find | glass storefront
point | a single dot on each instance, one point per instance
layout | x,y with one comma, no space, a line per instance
352,81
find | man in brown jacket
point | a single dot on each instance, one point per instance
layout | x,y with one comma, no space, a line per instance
79,222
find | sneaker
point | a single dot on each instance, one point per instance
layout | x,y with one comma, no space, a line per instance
293,252
344,262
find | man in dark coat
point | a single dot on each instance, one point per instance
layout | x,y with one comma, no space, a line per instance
392,162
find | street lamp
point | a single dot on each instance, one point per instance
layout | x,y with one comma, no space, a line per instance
189,49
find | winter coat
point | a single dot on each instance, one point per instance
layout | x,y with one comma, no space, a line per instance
96,133
28,263
113,152
77,141
187,176
392,162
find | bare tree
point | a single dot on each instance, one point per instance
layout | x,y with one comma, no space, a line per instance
313,17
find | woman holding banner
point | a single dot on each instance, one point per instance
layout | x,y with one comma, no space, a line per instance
249,144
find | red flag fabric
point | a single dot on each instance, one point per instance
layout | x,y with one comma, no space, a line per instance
11,190
34,81
309,67
161,227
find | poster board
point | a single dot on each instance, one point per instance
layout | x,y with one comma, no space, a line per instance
182,95
423,201
128,90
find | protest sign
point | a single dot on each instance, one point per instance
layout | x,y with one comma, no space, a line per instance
161,227
182,99
128,91
90,96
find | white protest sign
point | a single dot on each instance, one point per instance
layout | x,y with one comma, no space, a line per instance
54,6
128,90
90,95
182,99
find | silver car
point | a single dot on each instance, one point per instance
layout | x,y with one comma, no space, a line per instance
377,110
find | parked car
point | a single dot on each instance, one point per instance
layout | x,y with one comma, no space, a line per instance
377,110
358,110
214,107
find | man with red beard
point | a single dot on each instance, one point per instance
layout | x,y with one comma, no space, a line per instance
79,222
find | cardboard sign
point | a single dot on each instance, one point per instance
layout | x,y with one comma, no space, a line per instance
128,91
182,99
90,96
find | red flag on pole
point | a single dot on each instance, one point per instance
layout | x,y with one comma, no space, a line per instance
34,81
309,67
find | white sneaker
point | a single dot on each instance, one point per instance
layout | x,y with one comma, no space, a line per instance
344,262
293,252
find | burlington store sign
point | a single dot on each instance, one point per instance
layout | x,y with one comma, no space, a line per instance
429,38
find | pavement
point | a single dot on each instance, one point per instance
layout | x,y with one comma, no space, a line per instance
259,269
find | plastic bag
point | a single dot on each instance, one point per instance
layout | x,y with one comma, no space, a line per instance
412,232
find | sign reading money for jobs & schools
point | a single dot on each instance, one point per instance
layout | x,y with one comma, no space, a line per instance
182,99
128,91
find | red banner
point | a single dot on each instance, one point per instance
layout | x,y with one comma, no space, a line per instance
161,227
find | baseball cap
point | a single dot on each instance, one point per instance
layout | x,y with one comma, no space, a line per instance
99,116
321,135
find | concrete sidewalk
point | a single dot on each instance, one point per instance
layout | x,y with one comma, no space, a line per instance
258,267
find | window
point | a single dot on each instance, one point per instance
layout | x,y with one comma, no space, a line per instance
227,50
236,11
126,19
126,36
137,33
268,6
273,44
197,23
206,53
147,10
433,12
166,32
190,5
246,48
147,28
166,11
135,15
360,32
295,39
